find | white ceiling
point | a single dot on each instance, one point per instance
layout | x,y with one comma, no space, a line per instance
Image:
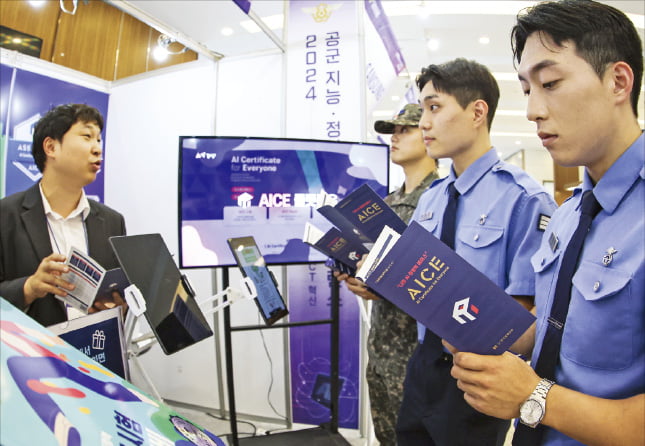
456,25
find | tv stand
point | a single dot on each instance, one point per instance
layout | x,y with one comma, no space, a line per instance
327,432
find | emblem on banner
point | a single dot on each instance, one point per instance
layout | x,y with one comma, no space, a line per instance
322,12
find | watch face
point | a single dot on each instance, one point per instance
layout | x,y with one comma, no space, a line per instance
531,412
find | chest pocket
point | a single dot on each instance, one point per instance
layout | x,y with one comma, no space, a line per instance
483,248
429,225
479,236
544,258
602,324
543,261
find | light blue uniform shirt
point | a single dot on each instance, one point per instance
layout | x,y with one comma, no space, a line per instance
602,352
501,216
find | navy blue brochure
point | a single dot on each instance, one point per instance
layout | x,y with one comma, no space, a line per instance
345,253
361,215
433,284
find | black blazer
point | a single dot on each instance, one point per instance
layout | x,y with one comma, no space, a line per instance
24,242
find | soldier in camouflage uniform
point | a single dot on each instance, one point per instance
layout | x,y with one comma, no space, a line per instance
393,334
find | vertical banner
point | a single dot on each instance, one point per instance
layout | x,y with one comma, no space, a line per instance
383,58
323,101
244,5
310,299
28,96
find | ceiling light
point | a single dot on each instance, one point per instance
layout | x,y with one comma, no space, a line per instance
164,42
159,54
36,3
69,11
227,31
272,21
433,44
484,40
16,40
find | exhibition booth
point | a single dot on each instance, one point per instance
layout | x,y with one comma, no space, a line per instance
168,172
221,148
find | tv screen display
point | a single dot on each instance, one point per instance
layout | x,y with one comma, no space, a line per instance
268,188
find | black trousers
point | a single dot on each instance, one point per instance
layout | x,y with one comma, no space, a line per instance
434,412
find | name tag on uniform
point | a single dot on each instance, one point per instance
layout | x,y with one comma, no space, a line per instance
553,242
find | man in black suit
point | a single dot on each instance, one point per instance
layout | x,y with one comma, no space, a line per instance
40,224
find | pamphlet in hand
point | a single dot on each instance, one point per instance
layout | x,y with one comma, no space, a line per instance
433,284
92,282
345,253
361,216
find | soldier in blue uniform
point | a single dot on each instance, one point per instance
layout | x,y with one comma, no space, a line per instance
581,65
501,214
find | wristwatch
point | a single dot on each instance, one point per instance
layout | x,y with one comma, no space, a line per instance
533,409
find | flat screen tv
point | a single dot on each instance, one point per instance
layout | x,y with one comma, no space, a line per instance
268,188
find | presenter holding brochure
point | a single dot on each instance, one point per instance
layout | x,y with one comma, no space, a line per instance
392,335
42,223
587,380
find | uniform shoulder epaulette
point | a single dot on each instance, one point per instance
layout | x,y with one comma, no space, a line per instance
520,177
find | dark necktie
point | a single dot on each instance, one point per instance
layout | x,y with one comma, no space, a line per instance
431,340
449,217
550,353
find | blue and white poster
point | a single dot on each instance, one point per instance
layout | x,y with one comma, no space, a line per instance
26,97
323,100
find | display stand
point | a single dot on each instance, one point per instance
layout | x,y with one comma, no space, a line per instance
328,431
137,306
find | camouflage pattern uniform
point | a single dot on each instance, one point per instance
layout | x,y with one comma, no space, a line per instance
392,338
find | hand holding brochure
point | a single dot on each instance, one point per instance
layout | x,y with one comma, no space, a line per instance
433,284
361,216
91,281
345,253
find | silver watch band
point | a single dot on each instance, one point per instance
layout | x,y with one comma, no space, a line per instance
543,388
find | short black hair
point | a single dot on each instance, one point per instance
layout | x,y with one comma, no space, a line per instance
464,79
56,123
602,35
